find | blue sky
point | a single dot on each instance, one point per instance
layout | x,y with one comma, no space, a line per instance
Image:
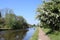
25,8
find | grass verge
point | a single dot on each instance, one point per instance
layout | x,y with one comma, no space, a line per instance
35,35
54,36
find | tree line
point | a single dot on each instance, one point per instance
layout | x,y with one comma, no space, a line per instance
10,21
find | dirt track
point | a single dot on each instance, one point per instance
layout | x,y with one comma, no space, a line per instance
42,35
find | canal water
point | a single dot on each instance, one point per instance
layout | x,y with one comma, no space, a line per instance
17,34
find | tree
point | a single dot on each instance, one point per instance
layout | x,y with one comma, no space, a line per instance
0,15
49,14
10,20
20,23
1,20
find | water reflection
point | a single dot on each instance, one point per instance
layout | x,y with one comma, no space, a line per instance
12,34
29,34
17,34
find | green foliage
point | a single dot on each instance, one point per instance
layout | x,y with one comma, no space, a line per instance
53,36
20,23
11,21
49,14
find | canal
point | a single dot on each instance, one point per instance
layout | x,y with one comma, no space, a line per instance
17,34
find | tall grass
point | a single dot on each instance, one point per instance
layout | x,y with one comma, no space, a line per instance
53,36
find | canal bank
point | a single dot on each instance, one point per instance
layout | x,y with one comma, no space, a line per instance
35,35
29,34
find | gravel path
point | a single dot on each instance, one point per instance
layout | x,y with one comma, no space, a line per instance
42,35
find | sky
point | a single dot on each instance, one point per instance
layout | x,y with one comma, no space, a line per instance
25,8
